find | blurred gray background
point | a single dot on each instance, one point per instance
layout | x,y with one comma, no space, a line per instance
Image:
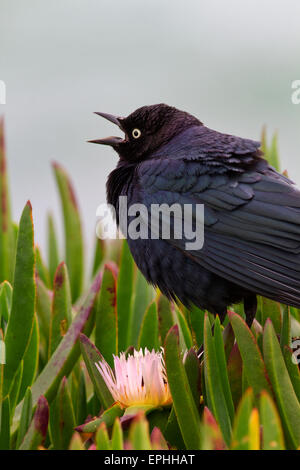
230,63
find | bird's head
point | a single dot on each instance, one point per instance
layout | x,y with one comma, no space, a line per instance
146,130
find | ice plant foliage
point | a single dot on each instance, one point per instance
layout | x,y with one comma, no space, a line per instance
139,379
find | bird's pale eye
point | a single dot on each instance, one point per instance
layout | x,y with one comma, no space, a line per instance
136,133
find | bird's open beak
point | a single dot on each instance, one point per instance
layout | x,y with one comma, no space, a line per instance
112,140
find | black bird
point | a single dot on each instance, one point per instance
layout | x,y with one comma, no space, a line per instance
251,212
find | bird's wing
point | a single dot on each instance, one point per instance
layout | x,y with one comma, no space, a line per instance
252,220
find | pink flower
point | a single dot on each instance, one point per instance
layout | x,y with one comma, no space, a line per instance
139,379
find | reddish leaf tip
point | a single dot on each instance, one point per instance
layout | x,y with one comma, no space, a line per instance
28,203
41,416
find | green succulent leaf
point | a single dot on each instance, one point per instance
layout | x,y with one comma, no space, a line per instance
148,337
240,434
91,356
5,424
61,311
37,430
139,436
183,401
23,300
165,316
124,296
254,367
144,294
117,436
106,335
213,383
102,438
26,417
62,417
30,361
272,434
99,255
53,254
286,398
221,359
108,417
67,353
5,301
73,233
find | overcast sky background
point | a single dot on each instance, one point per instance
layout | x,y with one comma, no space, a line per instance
230,63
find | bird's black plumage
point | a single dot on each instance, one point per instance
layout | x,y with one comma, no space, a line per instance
252,213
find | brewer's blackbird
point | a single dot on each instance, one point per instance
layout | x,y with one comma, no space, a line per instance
251,212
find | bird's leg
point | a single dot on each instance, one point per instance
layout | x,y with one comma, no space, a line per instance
222,316
250,307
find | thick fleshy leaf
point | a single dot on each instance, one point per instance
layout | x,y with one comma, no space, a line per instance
148,337
62,417
108,417
192,369
26,417
254,434
286,398
143,295
172,431
37,430
158,441
73,233
5,301
117,436
53,254
197,322
81,403
91,356
76,442
270,309
272,434
221,359
124,296
285,334
240,434
235,374
293,369
61,309
139,436
41,268
165,316
15,388
213,383
23,300
183,401
185,336
67,353
102,438
99,255
106,335
30,361
211,435
254,366
4,424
